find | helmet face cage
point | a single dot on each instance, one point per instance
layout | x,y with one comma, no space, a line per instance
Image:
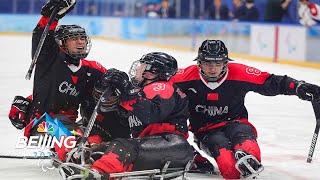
216,78
136,73
65,32
213,51
160,64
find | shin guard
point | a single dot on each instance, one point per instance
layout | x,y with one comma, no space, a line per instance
226,163
250,147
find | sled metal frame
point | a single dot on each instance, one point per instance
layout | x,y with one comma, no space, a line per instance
245,161
162,174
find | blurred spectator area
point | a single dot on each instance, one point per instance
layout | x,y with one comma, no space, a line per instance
140,8
83,7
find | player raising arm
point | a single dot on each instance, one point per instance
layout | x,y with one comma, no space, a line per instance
63,78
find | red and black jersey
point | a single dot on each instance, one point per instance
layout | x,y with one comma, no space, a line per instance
159,107
58,85
213,104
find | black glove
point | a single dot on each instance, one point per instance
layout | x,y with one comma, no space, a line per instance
117,79
64,6
18,111
109,103
309,92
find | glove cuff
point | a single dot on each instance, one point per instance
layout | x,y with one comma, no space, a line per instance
44,21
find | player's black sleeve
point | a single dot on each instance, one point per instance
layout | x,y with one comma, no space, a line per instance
49,50
276,85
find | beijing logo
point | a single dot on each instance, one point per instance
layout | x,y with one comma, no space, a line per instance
50,133
45,128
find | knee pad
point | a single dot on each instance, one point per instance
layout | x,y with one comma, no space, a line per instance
247,165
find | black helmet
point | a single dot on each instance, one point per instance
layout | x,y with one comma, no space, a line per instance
213,50
159,63
64,32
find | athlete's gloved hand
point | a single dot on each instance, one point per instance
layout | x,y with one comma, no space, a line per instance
17,114
309,92
109,103
117,79
64,6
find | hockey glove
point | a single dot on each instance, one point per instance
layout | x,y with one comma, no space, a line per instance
309,92
18,111
117,79
64,7
109,103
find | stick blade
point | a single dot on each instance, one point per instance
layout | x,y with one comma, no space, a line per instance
316,109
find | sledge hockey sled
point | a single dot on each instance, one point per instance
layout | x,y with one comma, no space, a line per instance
75,171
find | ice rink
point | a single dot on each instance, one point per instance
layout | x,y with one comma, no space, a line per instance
285,124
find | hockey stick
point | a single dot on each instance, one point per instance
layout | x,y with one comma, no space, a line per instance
316,109
39,47
94,114
80,150
24,157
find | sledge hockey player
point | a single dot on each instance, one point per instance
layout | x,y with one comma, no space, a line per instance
216,89
63,78
157,114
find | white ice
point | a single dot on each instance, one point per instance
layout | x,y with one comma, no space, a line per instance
285,124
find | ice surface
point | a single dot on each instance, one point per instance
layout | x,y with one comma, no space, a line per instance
285,124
